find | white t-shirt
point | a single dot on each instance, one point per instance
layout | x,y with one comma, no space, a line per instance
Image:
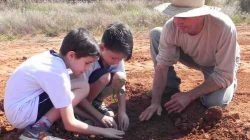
41,73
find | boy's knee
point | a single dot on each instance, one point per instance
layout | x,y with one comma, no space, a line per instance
120,76
85,89
80,87
78,83
119,79
104,79
80,92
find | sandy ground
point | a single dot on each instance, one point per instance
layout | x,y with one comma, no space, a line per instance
196,122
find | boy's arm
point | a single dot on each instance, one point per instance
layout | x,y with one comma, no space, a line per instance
122,101
106,120
122,115
72,124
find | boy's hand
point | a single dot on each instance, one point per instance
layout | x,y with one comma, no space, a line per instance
112,133
148,112
123,121
108,121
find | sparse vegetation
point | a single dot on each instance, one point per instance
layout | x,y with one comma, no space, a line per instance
245,5
52,17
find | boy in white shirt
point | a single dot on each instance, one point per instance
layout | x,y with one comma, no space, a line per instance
39,91
107,76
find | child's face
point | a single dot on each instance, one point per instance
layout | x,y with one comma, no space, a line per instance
111,57
79,65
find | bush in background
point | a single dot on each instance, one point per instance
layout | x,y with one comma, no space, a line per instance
245,5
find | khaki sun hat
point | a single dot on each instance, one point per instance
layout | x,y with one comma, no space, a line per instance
185,8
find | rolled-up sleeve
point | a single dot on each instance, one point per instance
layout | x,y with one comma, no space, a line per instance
168,53
227,58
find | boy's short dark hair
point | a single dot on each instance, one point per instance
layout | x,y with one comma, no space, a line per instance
118,37
81,42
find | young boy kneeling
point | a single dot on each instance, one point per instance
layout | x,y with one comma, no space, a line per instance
107,77
39,91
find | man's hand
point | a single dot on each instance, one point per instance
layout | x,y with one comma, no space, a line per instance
123,121
178,102
109,122
148,112
112,133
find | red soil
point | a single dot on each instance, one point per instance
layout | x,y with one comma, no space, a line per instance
196,122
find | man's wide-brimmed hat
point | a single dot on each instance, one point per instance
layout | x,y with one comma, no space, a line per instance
186,8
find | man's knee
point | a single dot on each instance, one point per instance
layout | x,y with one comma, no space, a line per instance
217,99
208,102
220,97
155,34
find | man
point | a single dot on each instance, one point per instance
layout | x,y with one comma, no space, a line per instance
200,37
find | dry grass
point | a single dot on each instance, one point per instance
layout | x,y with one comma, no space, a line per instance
21,17
54,18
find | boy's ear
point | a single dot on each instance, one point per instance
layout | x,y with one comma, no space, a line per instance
102,47
71,54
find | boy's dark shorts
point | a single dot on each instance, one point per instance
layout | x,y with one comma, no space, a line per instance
44,105
98,73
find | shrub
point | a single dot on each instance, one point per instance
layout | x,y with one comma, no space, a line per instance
245,5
